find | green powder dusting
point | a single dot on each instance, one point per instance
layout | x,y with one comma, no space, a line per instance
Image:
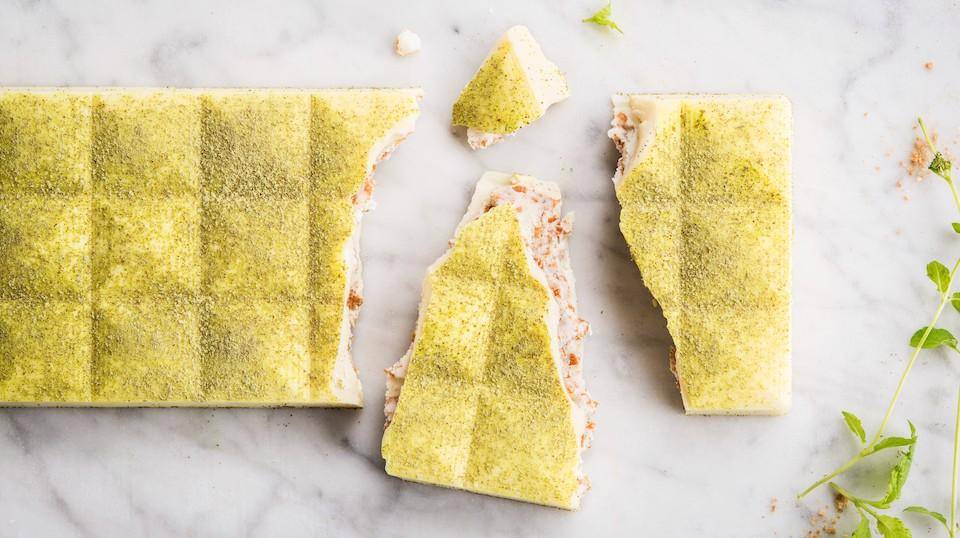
483,407
499,98
180,247
706,214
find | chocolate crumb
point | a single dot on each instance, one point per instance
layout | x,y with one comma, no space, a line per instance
354,300
920,157
840,503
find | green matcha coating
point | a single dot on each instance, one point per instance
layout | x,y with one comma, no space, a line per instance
499,98
179,247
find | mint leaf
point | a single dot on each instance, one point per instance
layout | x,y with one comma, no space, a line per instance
892,442
853,422
602,18
935,515
937,337
955,300
891,527
898,475
939,274
940,166
863,529
956,226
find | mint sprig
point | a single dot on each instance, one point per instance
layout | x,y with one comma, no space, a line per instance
929,336
919,342
603,18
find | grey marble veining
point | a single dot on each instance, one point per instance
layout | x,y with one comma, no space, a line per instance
854,71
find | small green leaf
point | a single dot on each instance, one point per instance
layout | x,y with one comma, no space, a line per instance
863,529
891,527
940,166
956,227
853,422
602,18
937,337
892,442
935,515
898,475
955,300
939,274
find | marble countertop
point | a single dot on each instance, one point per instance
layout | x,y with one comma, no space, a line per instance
855,73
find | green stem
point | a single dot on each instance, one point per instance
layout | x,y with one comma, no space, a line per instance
828,477
913,359
839,489
869,448
956,464
944,299
923,129
857,502
953,190
948,175
871,512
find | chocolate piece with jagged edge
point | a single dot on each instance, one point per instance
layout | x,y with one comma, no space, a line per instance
490,397
166,247
704,181
513,87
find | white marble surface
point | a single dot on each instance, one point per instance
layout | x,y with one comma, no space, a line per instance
854,72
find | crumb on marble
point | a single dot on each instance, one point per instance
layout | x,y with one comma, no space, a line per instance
825,520
928,66
817,517
407,43
920,157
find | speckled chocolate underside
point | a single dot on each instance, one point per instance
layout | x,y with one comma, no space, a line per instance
483,407
179,247
706,214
